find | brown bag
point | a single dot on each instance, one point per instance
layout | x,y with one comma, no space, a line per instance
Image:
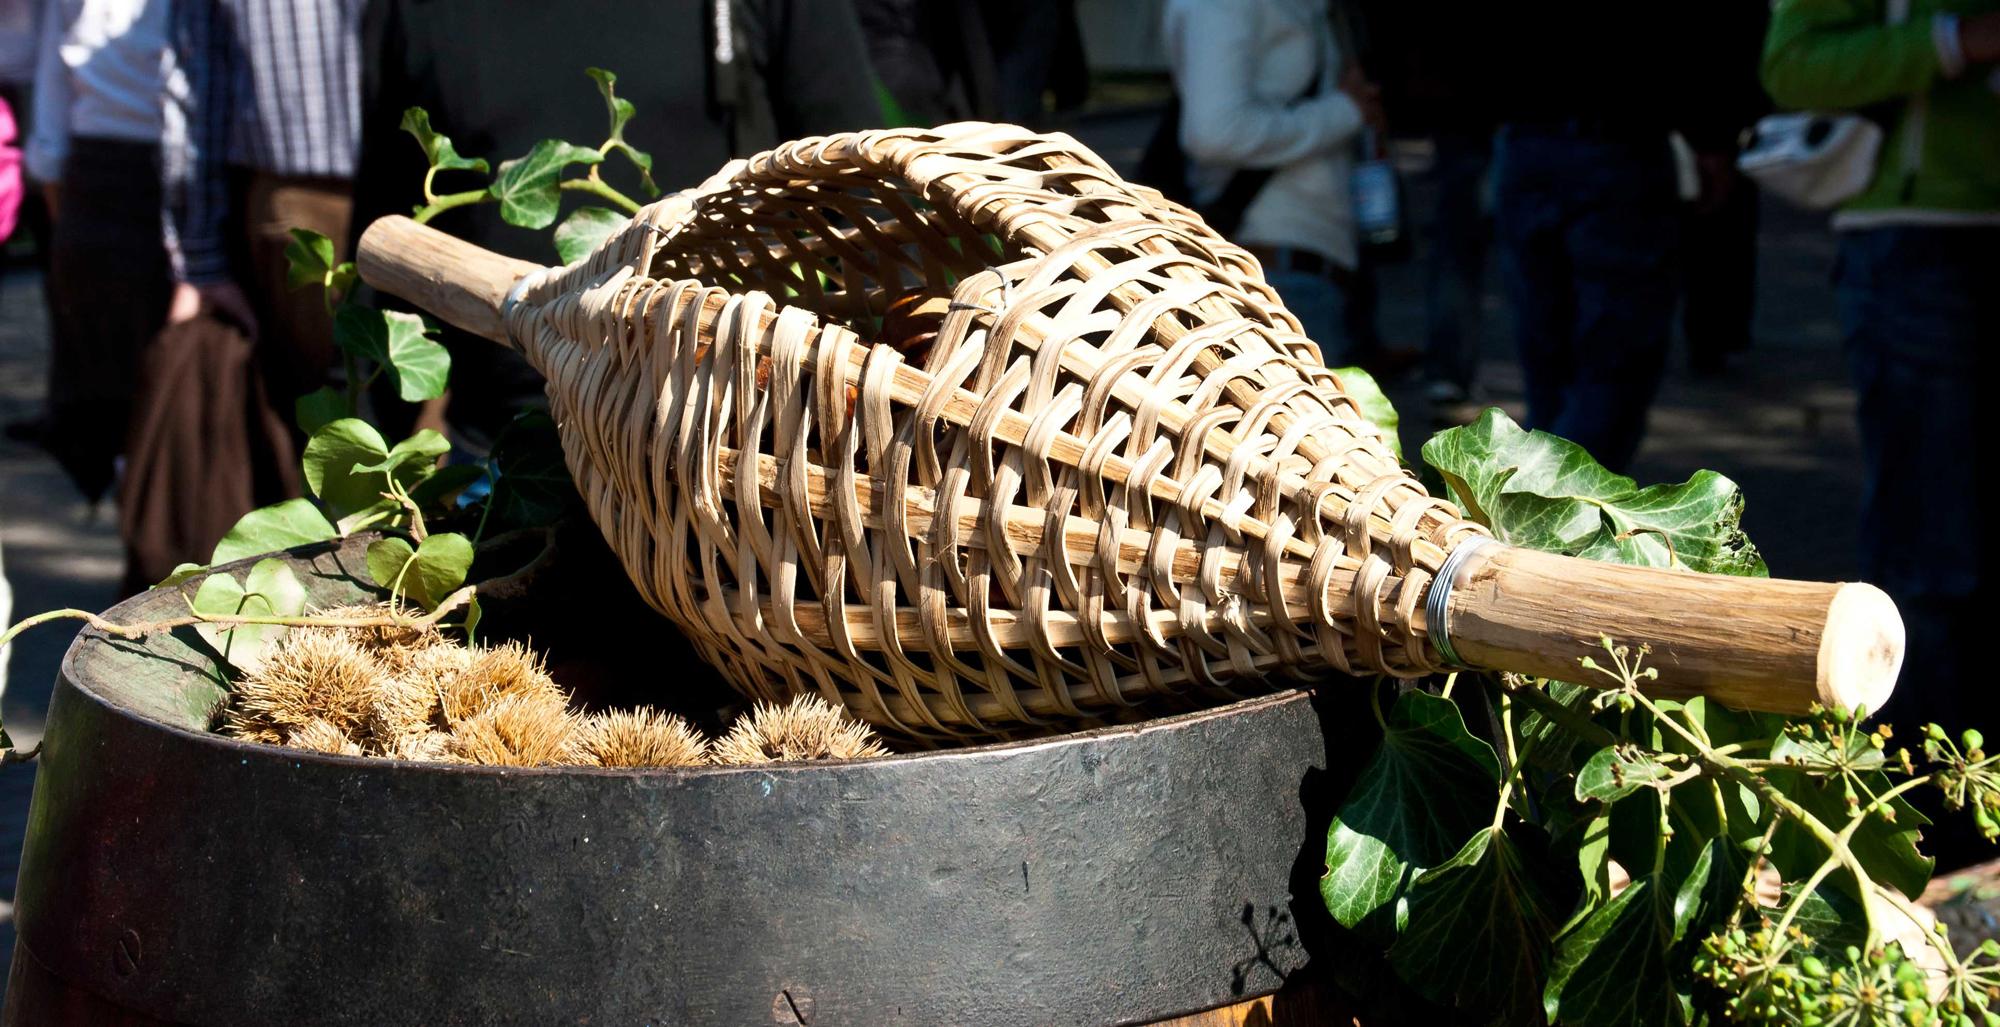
205,448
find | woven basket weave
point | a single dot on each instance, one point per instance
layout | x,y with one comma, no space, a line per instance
1117,477
957,429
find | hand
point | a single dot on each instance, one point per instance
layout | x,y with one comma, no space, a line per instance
224,299
1979,37
1367,96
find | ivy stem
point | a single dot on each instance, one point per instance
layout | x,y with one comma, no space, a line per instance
448,201
144,628
1546,705
603,190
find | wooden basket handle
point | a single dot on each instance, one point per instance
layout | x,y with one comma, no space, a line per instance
1752,643
465,285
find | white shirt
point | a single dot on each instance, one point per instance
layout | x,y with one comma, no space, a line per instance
1241,67
99,75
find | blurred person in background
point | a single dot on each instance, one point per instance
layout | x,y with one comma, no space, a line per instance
94,146
271,129
12,191
1719,227
1918,280
932,57
1037,54
1270,117
497,76
18,43
1433,85
1586,202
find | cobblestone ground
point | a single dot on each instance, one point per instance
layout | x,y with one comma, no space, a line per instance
1781,424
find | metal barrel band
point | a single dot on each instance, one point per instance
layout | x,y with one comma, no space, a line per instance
1437,605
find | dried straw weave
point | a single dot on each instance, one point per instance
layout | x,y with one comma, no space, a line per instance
1117,481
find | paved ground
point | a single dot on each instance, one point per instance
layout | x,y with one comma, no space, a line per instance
1781,425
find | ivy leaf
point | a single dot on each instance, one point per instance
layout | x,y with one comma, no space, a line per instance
442,488
529,189
1831,917
1428,788
1542,492
181,572
412,460
437,147
1366,392
1613,969
336,461
1593,861
401,342
531,484
269,590
426,574
582,231
1480,929
294,522
1887,851
1710,891
309,261
1617,771
620,110
319,408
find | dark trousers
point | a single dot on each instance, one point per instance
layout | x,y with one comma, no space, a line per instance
1921,314
1456,263
1719,275
1586,227
108,289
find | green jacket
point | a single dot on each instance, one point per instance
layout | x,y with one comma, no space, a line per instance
1941,160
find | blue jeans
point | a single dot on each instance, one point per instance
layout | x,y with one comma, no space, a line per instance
1920,308
1586,230
1321,306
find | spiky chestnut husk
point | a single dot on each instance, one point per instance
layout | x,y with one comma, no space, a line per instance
323,736
401,709
310,674
525,730
807,728
641,738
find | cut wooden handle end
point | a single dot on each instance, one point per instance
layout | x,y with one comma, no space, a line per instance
1751,643
465,285
1860,649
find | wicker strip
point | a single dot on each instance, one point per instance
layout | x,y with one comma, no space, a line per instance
1098,474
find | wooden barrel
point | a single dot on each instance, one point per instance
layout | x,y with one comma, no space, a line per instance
171,875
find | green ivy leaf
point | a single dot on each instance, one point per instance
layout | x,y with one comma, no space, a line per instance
1366,392
1887,851
440,489
426,574
411,460
1480,928
1710,891
269,590
319,408
181,572
531,483
401,342
1613,969
620,111
1542,492
1428,788
529,188
1831,917
582,231
294,522
337,462
308,259
1617,771
438,149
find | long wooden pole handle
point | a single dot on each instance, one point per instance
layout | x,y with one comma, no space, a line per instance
1752,643
459,282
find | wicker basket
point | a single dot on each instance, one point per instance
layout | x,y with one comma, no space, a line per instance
962,431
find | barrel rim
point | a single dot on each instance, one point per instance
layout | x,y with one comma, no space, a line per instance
72,673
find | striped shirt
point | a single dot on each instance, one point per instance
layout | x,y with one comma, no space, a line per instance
268,85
